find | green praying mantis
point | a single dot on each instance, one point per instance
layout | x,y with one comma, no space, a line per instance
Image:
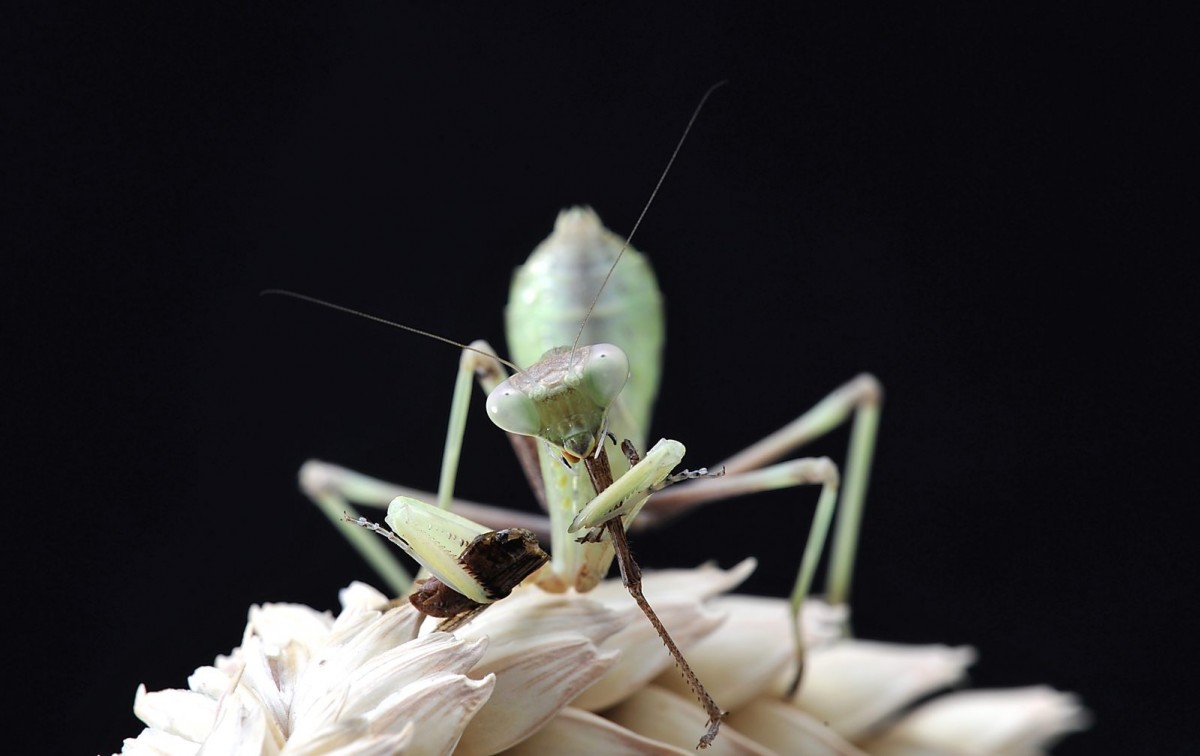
588,288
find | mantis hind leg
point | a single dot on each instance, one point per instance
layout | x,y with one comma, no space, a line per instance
747,472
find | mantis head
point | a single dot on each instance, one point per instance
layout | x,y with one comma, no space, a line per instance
563,398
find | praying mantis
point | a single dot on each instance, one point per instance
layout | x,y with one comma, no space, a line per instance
585,321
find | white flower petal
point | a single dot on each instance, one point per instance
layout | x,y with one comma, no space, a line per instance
662,715
855,685
743,657
232,664
179,712
379,675
211,681
269,682
643,656
530,689
385,745
579,732
366,634
241,731
400,624
409,663
428,716
152,742
362,597
1013,722
441,705
529,616
353,736
786,729
280,624
701,583
380,680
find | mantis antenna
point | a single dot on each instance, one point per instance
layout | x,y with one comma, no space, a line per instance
586,316
662,177
377,319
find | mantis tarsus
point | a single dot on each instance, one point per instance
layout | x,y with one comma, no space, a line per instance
573,399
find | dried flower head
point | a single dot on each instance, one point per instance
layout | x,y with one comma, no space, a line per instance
573,673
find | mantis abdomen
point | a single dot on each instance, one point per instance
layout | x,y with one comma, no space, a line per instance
550,296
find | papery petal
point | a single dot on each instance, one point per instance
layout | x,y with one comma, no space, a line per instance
441,705
428,715
179,712
700,583
351,644
321,726
1013,722
349,693
304,683
411,662
643,656
362,597
529,617
241,731
661,715
530,689
232,664
268,682
281,624
155,742
786,729
741,659
400,626
855,685
211,682
579,732
354,736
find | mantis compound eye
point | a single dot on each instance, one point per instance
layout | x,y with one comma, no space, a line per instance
605,373
513,411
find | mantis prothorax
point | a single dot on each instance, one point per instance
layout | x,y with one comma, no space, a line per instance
572,399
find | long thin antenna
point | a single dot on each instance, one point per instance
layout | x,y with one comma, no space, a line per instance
662,177
384,321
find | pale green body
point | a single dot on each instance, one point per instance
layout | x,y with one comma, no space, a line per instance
548,301
550,295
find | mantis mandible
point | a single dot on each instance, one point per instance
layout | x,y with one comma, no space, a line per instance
573,290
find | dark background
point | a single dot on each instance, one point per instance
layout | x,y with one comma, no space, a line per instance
961,199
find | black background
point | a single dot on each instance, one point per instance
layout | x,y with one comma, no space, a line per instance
961,199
